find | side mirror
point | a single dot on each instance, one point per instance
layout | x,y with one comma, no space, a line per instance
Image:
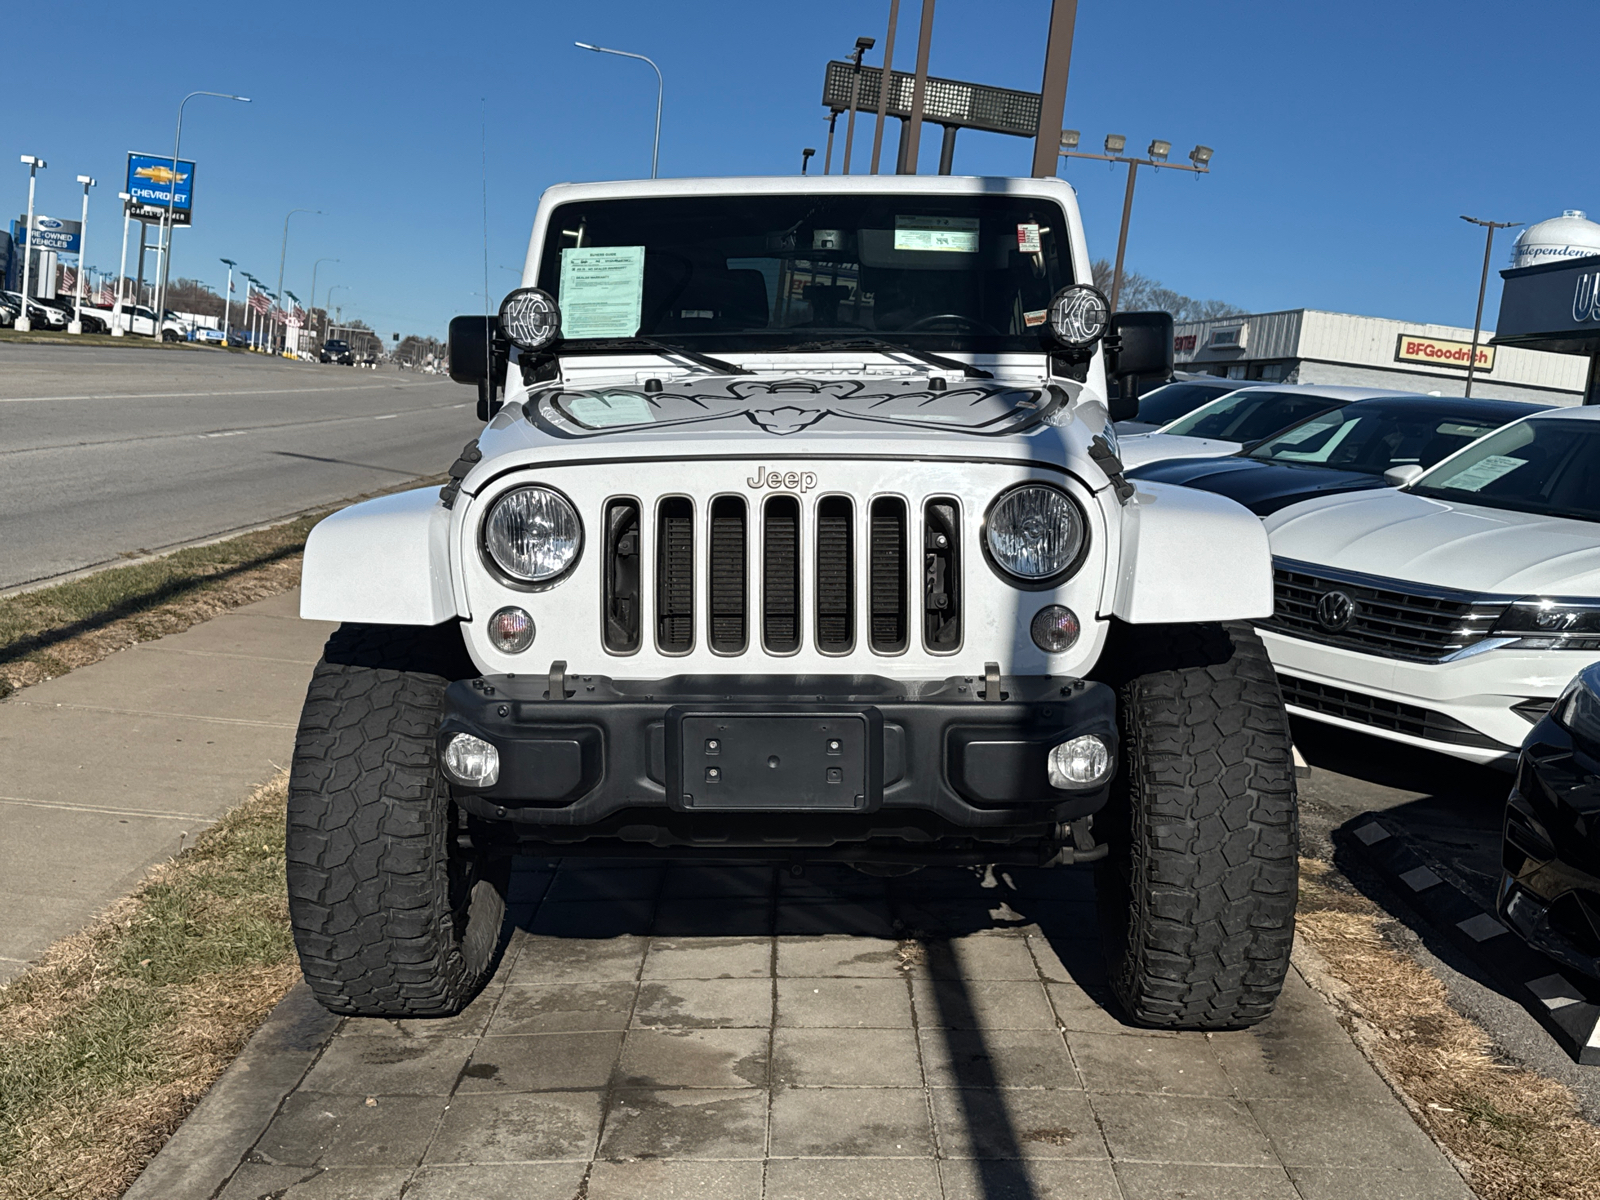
1402,475
1141,343
471,341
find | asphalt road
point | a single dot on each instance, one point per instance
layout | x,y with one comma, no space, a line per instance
111,451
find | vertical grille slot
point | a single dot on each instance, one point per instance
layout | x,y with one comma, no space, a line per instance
941,575
621,584
728,574
835,571
887,570
675,576
780,575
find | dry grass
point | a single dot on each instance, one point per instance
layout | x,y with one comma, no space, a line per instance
1521,1135
110,1041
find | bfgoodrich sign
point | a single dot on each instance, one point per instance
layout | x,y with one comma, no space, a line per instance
1441,352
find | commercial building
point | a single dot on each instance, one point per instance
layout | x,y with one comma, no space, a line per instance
1305,345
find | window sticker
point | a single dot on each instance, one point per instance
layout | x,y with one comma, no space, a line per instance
607,409
1483,472
1036,317
1028,239
1295,436
602,288
958,235
1452,429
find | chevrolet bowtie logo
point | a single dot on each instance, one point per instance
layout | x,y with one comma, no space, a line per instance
793,481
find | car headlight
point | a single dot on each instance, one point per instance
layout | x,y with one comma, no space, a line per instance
1035,533
533,535
1079,315
530,318
1546,623
1578,709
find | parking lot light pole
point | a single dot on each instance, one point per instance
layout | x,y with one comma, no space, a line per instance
227,302
312,307
122,268
172,196
283,253
863,44
1200,164
76,324
1483,286
655,153
34,165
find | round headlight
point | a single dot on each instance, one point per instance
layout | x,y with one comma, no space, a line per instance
530,318
1079,315
533,534
1034,532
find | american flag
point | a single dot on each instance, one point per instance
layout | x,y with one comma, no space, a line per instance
107,296
69,280
258,301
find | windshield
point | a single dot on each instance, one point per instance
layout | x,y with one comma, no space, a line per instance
334,346
1374,435
933,272
1550,467
1173,400
1250,415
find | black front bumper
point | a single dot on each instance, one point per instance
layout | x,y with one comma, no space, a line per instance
1550,881
764,760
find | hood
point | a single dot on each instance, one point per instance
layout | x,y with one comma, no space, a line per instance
1398,535
1262,487
1143,448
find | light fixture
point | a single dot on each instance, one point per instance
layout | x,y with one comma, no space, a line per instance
863,44
1054,628
1115,143
530,318
1200,155
1082,762
1069,139
1159,150
1079,315
1035,533
511,630
475,762
29,160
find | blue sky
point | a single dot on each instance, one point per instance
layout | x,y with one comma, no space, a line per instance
1348,136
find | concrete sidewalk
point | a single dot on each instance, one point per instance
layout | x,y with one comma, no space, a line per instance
105,770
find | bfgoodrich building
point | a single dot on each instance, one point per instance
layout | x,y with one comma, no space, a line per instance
1304,345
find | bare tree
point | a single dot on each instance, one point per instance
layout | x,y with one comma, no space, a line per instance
1140,293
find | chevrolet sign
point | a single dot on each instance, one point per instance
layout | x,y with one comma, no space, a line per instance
1441,352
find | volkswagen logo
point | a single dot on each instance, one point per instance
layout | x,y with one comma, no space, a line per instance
1334,611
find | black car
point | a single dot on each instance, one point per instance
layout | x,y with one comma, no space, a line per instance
1550,857
68,305
1345,450
334,350
1177,399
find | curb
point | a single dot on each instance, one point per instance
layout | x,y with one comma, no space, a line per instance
1564,1007
213,1140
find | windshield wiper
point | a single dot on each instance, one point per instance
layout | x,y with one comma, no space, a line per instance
694,356
872,343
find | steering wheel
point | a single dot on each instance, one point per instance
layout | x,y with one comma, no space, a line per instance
959,318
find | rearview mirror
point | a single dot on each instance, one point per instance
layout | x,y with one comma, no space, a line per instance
1142,342
1403,474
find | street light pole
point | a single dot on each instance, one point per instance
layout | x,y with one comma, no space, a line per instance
34,165
172,196
1199,157
312,308
227,304
122,268
863,44
283,253
1483,286
655,153
76,326
919,88
884,84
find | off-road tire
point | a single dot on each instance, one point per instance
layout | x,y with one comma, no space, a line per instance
1197,895
390,917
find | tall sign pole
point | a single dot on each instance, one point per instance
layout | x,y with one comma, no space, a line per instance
919,88
1053,93
885,83
76,325
1483,286
122,269
34,165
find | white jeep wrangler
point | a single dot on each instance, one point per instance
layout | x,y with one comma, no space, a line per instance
797,531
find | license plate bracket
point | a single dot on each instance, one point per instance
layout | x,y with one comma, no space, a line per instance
770,760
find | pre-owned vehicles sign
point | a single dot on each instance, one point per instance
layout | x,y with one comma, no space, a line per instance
1441,352
49,233
152,183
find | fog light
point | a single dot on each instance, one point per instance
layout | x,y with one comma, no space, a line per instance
1055,628
474,762
1082,762
511,630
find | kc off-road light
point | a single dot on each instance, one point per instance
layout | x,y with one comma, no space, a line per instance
531,318
511,630
1082,762
1034,532
1055,628
1079,315
472,761
533,535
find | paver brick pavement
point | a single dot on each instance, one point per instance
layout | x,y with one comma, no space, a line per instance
655,1031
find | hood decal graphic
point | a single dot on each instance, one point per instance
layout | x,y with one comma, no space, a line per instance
790,405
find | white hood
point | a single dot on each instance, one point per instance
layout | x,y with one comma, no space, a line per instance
1397,535
1139,448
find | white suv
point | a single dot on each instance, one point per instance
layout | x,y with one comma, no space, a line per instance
798,532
